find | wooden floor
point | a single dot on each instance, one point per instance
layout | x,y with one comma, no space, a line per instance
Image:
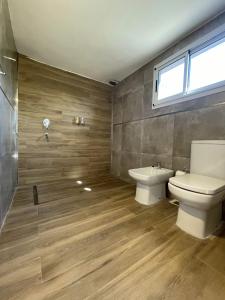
103,245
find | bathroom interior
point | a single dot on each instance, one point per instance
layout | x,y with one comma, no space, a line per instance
112,149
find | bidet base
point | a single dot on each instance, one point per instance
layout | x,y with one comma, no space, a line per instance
148,195
199,223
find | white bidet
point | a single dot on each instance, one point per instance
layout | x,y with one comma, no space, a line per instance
151,184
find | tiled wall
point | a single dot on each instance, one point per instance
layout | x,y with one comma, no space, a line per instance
8,162
143,136
71,151
8,113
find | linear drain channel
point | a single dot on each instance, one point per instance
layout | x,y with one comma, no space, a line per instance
35,195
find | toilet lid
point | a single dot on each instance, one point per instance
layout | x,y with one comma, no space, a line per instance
198,183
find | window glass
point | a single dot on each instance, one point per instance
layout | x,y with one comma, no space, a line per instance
207,66
171,79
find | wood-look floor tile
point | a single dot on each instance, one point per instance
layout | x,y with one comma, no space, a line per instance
16,236
196,281
213,254
121,229
79,215
19,253
51,241
110,270
151,277
52,288
18,278
75,251
103,245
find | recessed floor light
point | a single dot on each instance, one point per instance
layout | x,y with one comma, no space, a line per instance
79,182
87,189
15,155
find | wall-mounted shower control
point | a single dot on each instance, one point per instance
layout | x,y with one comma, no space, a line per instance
46,124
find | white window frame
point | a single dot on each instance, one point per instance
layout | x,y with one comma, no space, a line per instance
201,45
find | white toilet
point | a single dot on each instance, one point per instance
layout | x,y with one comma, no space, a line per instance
202,191
151,184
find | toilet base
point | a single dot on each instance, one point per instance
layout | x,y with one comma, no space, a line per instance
148,195
199,223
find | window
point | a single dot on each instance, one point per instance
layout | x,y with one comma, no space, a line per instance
207,66
196,72
171,80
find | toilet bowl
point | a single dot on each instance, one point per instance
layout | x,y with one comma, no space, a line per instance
201,192
200,197
151,184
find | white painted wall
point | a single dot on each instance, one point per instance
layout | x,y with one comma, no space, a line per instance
104,39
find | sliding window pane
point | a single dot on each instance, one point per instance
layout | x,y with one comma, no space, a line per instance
207,66
171,80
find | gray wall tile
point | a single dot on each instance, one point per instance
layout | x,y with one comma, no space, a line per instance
117,110
147,101
133,105
148,160
129,161
181,163
130,84
131,136
8,164
203,124
164,134
158,135
8,113
148,73
117,137
115,167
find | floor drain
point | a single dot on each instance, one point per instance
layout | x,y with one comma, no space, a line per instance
35,195
174,202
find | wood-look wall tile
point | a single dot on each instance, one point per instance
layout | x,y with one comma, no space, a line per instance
72,151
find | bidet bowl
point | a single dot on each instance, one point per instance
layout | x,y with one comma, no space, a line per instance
151,175
151,184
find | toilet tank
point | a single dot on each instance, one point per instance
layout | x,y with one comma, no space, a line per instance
208,158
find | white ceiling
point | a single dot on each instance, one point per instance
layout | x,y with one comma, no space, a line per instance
103,39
